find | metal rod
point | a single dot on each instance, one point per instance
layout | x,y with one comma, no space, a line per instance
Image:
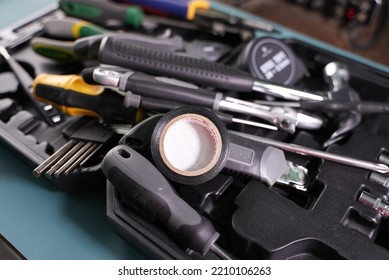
80,153
285,92
91,154
63,159
87,154
46,164
220,252
377,167
282,121
255,124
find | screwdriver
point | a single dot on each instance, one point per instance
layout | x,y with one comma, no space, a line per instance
120,53
192,10
164,88
114,15
162,106
25,82
55,49
372,166
86,48
176,90
142,183
104,13
185,9
75,97
363,107
69,28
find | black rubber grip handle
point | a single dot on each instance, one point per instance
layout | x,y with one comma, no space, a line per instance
158,105
157,87
107,105
164,106
138,180
201,72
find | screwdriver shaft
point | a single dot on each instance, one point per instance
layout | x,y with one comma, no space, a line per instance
255,124
219,252
377,167
163,106
26,83
285,92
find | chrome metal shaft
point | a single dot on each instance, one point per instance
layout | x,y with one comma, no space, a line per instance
285,92
377,167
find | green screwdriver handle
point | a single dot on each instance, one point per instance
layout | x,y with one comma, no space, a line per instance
70,28
102,12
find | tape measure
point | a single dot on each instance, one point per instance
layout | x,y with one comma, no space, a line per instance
271,60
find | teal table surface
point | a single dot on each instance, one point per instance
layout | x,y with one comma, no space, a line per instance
40,221
14,10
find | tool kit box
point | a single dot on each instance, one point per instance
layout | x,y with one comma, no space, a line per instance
222,136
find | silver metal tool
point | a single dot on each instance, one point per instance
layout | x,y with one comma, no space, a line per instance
337,76
304,121
63,160
82,158
87,137
379,179
54,157
81,152
382,206
67,158
377,167
172,89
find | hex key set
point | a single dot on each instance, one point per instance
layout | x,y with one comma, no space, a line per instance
209,144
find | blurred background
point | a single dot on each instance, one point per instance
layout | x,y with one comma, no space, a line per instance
360,26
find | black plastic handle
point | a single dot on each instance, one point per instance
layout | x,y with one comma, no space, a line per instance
120,53
138,180
168,89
